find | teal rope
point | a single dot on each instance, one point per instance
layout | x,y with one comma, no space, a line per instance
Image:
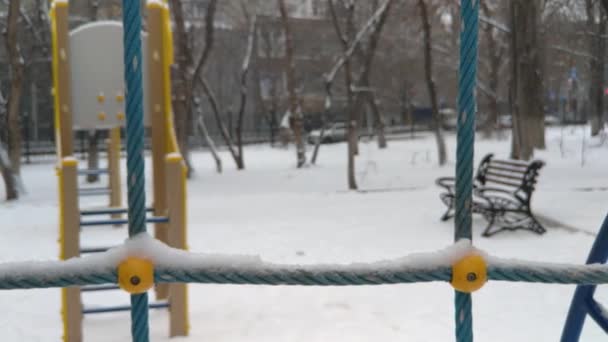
135,150
467,108
32,281
302,276
308,276
463,316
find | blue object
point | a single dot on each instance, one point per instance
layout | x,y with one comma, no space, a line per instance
583,302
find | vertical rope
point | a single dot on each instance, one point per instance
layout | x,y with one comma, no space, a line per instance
135,149
467,108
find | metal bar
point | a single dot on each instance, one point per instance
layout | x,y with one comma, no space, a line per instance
578,308
115,222
122,308
100,188
108,211
95,288
93,250
94,193
86,172
598,313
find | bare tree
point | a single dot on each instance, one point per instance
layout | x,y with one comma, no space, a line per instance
235,151
290,70
265,44
243,100
351,44
202,127
16,65
428,71
366,56
182,85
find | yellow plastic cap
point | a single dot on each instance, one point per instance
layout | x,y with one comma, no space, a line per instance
101,116
136,275
120,116
101,98
469,274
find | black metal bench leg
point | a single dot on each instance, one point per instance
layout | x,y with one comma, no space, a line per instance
447,215
535,226
488,231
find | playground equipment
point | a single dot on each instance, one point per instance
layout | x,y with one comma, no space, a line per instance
140,260
89,94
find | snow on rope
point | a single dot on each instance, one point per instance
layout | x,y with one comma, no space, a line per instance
173,265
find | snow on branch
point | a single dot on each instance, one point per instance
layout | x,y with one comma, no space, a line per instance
571,52
500,26
371,23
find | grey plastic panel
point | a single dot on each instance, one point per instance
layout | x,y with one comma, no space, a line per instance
96,60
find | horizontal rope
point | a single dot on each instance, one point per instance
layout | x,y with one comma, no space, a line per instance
12,282
309,276
302,276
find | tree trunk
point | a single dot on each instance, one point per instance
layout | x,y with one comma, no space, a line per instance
495,55
290,71
93,156
16,65
353,148
243,102
528,114
364,76
428,71
182,85
597,46
379,123
205,133
10,180
218,118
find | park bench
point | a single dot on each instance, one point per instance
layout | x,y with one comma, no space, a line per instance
502,192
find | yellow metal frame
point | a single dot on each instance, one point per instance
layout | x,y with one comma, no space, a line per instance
67,168
55,71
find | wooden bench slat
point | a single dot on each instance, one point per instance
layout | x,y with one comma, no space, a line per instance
506,169
502,182
503,175
512,163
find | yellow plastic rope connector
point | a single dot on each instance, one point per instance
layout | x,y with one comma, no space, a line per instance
469,274
136,275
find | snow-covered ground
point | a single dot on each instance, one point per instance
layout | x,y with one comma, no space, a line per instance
307,216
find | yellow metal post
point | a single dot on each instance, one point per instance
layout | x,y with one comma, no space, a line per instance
176,198
69,239
61,77
157,107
